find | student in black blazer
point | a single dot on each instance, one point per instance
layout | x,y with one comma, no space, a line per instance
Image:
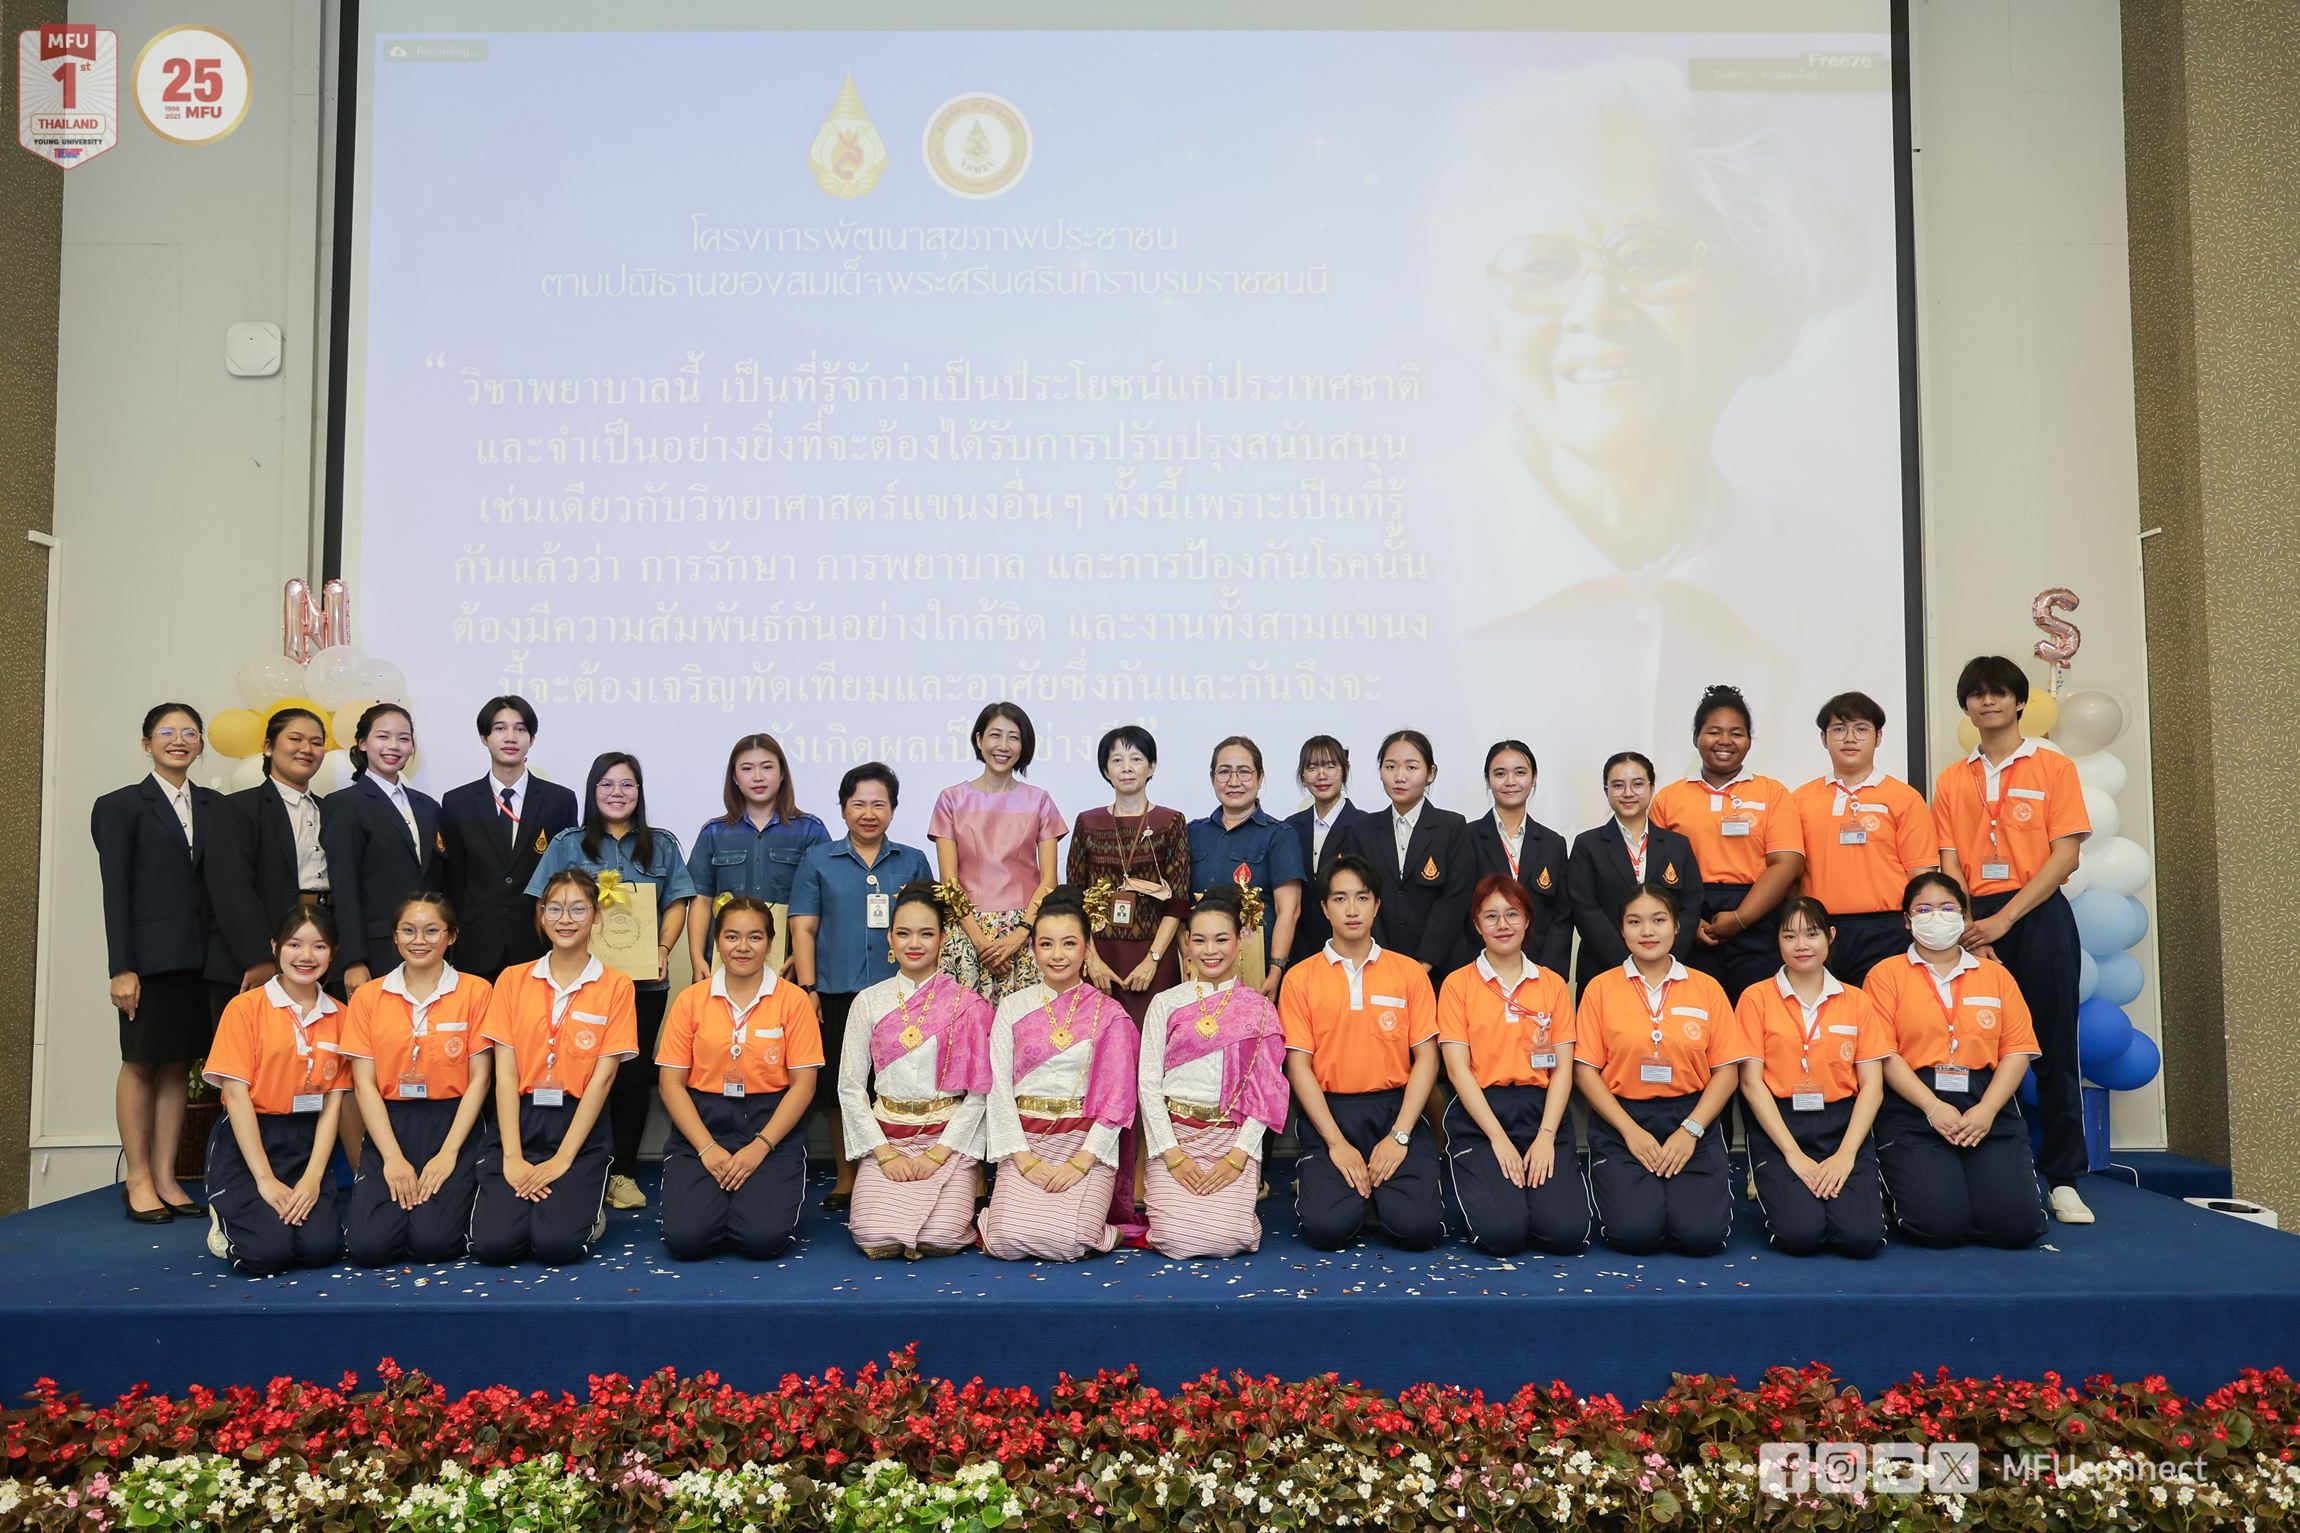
1511,842
267,852
382,839
1425,895
495,831
1604,868
1324,770
150,837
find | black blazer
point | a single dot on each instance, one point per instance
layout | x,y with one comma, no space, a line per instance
1313,931
252,878
1541,872
156,914
373,864
486,866
1600,873
1425,913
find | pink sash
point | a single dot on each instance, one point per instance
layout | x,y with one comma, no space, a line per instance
1253,1045
956,1019
1112,1089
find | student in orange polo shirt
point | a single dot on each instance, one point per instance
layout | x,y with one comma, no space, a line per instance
419,1076
1505,1028
2011,818
1362,1054
1813,1091
1951,1144
271,1202
1865,833
560,1027
1745,834
1657,1053
740,1056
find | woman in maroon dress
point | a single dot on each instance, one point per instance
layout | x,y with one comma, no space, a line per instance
1134,860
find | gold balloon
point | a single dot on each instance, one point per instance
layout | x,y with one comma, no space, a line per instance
1968,734
2038,718
345,725
305,703
237,733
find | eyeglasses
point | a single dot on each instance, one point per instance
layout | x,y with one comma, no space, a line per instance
575,912
1539,273
1503,918
431,933
1950,909
169,734
1857,730
1235,774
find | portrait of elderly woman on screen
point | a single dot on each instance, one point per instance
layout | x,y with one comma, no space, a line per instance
1627,255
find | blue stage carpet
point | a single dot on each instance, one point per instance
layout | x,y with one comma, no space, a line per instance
2156,1286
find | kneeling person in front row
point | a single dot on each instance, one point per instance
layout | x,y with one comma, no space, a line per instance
270,1199
1657,1057
1813,1092
1362,1054
738,1062
560,1027
1951,1143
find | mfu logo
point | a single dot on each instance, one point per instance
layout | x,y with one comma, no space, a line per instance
1884,1469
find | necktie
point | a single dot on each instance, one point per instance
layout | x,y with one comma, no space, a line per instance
510,814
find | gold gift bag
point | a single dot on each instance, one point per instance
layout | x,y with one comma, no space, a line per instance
1253,959
628,935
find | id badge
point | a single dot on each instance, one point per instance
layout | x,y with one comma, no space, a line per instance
1732,828
1997,872
1852,838
1946,1079
1122,910
878,911
549,1093
308,1101
1806,1101
1654,1074
1544,1061
414,1088
730,1088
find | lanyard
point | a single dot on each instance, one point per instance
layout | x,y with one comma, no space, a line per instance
419,1024
1808,1028
740,1021
1655,1006
1994,806
1512,852
560,1001
1125,852
1946,997
1637,848
303,1044
1513,1011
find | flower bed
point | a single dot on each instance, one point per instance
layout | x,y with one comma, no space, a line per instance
891,1451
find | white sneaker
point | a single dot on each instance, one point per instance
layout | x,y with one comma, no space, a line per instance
2068,1208
622,1192
218,1246
599,1225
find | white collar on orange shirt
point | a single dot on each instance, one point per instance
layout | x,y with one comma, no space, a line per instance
1485,970
766,988
1830,986
395,983
276,993
1704,785
1991,771
1966,963
1677,971
1355,972
1852,790
559,997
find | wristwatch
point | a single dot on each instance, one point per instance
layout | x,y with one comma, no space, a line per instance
1692,1126
1405,1141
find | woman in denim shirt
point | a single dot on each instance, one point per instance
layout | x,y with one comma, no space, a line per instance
754,848
615,837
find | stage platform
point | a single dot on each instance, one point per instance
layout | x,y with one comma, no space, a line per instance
2156,1286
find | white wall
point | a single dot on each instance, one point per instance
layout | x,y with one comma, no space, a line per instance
184,496
2030,471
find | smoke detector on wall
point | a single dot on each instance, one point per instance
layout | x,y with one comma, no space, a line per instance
252,350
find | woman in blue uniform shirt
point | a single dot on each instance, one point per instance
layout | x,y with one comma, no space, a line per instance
615,837
754,848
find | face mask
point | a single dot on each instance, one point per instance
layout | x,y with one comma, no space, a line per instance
1938,928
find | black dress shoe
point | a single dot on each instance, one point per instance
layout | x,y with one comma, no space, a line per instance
136,1215
836,1202
191,1209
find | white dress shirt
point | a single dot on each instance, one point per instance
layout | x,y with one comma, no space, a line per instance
1320,828
303,816
397,794
1402,825
179,799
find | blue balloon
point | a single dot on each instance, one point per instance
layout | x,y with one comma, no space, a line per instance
2137,913
2104,922
2132,1069
2027,1091
2119,979
2103,1032
2087,976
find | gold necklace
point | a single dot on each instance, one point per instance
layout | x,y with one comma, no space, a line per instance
1210,1022
912,1035
1062,1037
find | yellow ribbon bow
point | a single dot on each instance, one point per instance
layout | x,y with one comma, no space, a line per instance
611,890
719,900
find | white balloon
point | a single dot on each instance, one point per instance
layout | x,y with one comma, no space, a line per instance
2102,811
334,773
2079,878
247,772
383,681
334,676
2089,722
268,678
2105,772
2117,863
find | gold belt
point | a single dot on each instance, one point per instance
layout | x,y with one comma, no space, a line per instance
1198,1112
1054,1108
918,1109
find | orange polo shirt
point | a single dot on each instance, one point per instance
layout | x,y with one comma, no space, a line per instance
1861,844
380,1024
259,1044
2037,801
1512,1040
779,1035
1845,1030
1706,816
1358,1028
1982,1020
596,1020
1699,1032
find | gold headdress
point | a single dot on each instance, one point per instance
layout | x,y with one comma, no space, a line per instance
1097,903
952,893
